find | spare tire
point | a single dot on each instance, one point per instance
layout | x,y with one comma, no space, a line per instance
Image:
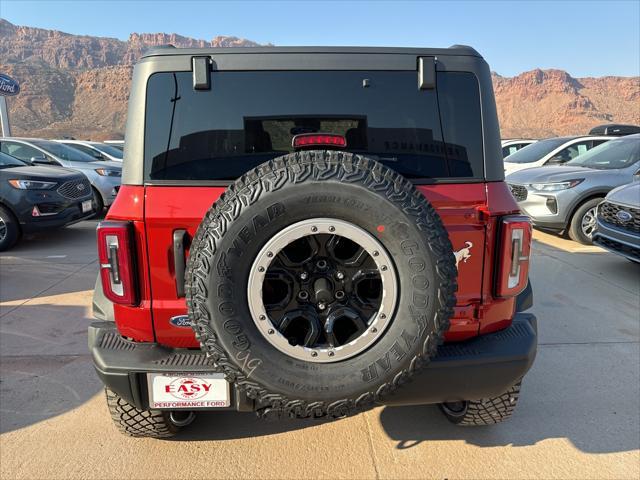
320,282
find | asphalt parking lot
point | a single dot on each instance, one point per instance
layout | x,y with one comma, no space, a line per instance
578,417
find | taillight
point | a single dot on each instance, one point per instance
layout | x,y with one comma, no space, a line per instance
319,140
116,255
514,252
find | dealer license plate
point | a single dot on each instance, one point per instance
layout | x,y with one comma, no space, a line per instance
86,206
187,390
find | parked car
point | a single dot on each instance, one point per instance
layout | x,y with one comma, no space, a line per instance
565,197
119,144
512,145
104,176
322,279
615,129
551,151
34,198
100,151
618,222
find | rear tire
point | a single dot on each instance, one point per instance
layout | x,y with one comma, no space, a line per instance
486,411
9,229
134,422
583,222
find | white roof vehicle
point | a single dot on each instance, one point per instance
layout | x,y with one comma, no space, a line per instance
551,151
512,145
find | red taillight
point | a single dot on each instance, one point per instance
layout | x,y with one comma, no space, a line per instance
514,253
116,256
319,140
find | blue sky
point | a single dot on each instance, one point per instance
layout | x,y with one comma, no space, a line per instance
586,38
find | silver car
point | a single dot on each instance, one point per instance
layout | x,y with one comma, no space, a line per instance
100,151
565,197
618,222
104,176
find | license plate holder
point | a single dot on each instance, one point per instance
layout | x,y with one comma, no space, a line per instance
188,391
86,206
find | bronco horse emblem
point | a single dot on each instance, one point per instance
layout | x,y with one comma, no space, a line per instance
464,253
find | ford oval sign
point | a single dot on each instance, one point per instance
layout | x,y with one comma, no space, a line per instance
8,86
624,216
181,321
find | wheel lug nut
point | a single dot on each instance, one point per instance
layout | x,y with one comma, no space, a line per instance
339,275
304,276
339,294
322,305
322,264
303,295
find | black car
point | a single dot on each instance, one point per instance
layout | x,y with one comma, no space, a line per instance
39,197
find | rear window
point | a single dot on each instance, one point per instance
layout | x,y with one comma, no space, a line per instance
248,118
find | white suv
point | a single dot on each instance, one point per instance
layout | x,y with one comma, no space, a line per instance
551,151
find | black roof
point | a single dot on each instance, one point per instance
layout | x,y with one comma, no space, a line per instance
454,50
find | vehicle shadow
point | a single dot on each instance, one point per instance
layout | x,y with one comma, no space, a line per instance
412,426
230,425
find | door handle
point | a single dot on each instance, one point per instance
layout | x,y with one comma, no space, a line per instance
180,239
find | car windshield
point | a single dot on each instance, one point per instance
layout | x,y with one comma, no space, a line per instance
108,149
535,151
64,152
7,161
611,155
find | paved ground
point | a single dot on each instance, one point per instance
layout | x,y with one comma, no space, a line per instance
578,417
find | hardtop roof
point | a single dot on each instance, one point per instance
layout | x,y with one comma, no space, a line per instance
170,50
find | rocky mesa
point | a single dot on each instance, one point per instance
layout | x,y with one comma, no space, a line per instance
77,85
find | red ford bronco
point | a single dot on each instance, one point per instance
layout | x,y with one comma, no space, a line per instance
310,232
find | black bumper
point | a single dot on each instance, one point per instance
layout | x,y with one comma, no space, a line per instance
482,367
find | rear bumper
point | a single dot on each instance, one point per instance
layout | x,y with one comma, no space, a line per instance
483,367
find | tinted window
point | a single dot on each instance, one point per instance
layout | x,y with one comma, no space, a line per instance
459,101
248,118
21,151
611,155
108,149
535,151
64,152
7,161
83,149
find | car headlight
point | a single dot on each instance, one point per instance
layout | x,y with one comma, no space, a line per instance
31,184
555,186
106,172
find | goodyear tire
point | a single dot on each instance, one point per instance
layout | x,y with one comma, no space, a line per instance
133,422
294,368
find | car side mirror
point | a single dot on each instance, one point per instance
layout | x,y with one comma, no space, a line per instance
40,160
555,160
98,156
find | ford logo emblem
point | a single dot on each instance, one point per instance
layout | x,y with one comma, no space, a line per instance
624,216
80,186
8,86
181,321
